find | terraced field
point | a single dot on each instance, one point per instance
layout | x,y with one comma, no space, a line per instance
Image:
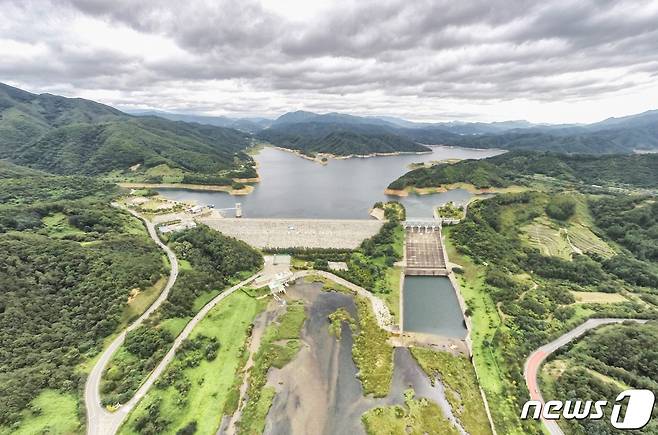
585,240
551,239
545,236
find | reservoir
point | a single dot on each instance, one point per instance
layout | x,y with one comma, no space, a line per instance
293,187
431,306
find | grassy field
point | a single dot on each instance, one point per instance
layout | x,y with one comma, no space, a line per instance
485,321
51,412
279,345
168,174
462,391
372,354
598,298
209,382
416,417
57,226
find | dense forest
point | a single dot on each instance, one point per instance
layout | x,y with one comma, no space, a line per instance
68,263
602,363
215,260
74,136
639,170
533,312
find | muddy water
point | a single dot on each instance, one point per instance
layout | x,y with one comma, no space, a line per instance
318,392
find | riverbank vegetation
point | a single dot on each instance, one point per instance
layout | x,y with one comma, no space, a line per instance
71,263
372,354
279,345
602,364
197,385
462,390
215,261
416,416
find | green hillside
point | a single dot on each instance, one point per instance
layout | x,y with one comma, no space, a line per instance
640,170
340,139
76,136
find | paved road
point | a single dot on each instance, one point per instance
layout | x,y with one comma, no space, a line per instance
534,361
99,420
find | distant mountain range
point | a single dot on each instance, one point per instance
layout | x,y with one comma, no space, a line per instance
343,134
72,135
346,134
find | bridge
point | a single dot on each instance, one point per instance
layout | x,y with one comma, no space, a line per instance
421,223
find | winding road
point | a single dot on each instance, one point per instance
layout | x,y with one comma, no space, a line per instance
535,360
99,420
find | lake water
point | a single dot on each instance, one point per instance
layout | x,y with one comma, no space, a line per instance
431,306
293,187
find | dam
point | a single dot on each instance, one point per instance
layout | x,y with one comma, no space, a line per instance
296,233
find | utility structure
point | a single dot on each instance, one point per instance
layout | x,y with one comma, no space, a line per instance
237,208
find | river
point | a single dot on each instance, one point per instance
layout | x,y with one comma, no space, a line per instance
293,187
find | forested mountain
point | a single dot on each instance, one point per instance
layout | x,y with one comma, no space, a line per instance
339,138
74,136
640,170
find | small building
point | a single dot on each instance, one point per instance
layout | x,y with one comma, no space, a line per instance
280,281
195,209
337,265
180,226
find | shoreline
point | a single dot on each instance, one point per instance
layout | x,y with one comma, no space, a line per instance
452,186
328,156
207,187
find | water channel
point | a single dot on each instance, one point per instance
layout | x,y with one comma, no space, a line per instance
431,306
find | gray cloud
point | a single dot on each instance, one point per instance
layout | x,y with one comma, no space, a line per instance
378,55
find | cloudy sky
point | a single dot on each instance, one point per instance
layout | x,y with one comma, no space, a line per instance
545,61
